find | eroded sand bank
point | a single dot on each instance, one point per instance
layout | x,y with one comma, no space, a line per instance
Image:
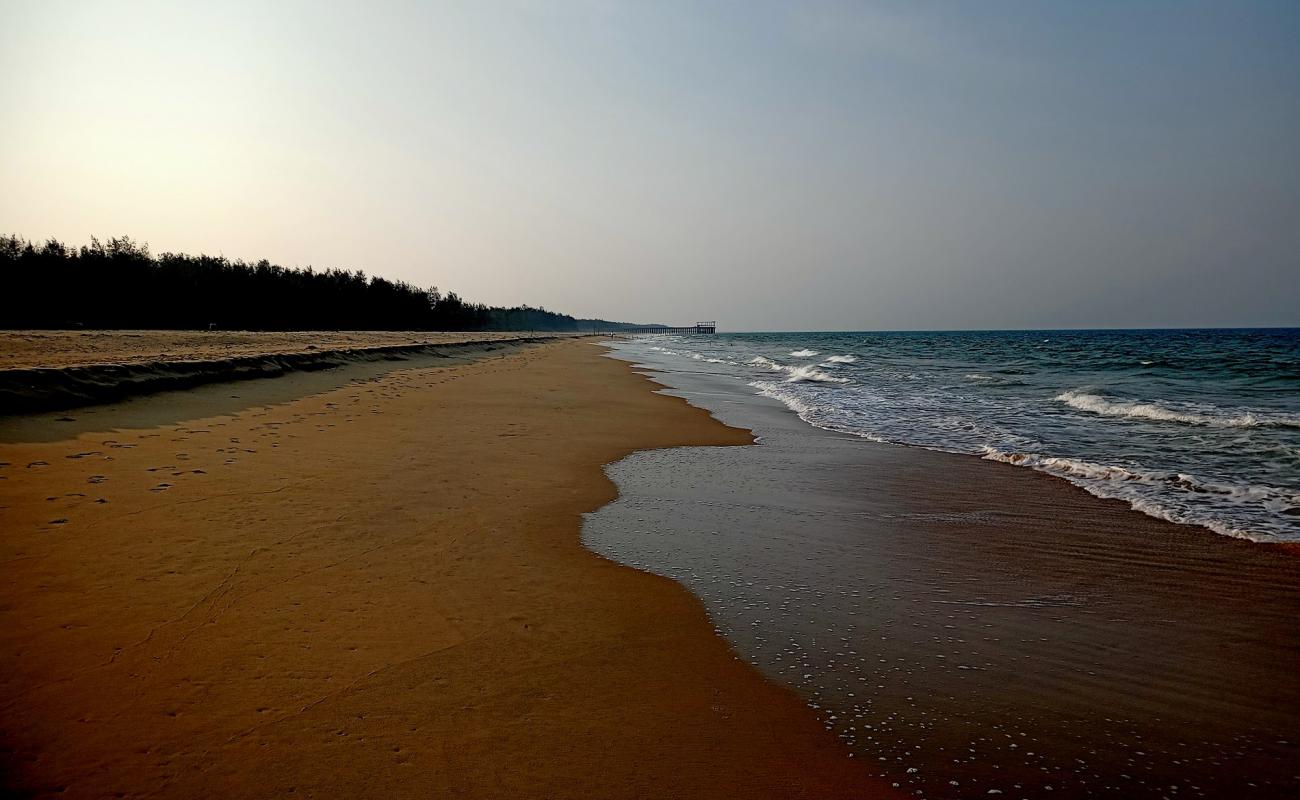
32,349
376,591
47,370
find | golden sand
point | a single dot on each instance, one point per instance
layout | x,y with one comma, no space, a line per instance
378,591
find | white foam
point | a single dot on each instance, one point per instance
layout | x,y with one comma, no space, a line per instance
811,374
801,373
1123,483
796,404
803,353
805,410
1216,418
880,405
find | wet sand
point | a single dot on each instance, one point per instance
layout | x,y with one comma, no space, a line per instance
375,591
970,627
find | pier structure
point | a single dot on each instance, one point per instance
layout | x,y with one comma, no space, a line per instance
647,330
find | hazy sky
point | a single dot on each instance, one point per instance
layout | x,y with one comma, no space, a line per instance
774,166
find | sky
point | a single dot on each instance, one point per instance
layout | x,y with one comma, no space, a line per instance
771,166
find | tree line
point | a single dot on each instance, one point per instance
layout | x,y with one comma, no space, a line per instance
118,283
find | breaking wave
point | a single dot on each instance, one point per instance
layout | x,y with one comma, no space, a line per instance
1211,442
802,373
811,374
1143,488
1199,415
805,409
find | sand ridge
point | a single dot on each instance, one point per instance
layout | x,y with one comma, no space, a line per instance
45,349
377,591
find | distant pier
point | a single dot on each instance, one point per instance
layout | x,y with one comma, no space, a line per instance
699,327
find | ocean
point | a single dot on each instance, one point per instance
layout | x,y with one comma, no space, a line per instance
1198,427
973,628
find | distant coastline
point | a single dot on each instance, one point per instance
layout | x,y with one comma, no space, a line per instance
118,283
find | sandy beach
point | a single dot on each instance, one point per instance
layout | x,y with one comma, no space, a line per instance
374,590
603,401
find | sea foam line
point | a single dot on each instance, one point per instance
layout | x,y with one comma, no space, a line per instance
1105,407
801,373
806,411
1115,482
1107,481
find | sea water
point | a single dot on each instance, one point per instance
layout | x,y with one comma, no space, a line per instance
965,638
1194,426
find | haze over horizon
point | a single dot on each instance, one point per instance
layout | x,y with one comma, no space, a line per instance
811,166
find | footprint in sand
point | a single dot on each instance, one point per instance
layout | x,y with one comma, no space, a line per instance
162,487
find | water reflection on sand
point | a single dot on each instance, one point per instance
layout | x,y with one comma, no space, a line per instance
974,628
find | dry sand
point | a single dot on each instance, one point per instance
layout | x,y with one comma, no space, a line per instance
376,591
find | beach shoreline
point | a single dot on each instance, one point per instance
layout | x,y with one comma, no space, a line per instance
1189,426
377,590
968,625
